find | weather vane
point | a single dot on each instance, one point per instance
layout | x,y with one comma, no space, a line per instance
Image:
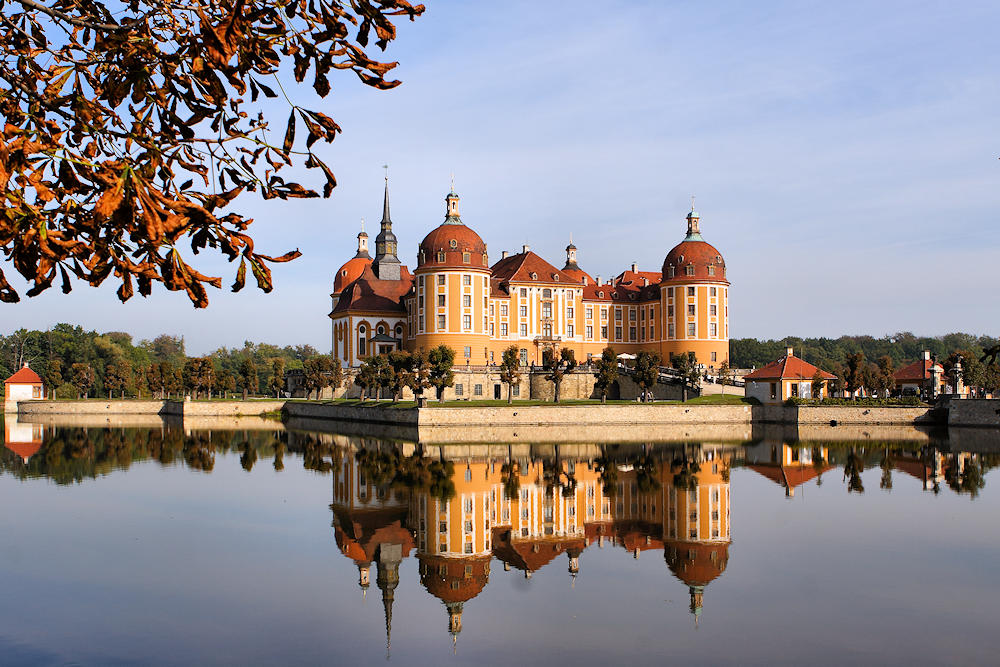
386,167
692,202
452,181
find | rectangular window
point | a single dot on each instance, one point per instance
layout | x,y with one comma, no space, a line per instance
604,313
631,314
466,322
712,310
569,331
503,310
652,332
517,387
491,310
691,309
491,328
670,311
689,270
420,301
618,314
569,313
459,389
467,301
466,258
631,333
690,291
503,329
546,310
670,331
711,269
524,292
711,291
523,311
795,389
690,329
466,279
590,313
441,279
524,359
713,356
774,390
523,330
618,333
604,332
441,324
712,330
441,302
590,332
467,351
478,390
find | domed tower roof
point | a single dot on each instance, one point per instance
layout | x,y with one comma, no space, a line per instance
693,259
354,267
445,246
446,578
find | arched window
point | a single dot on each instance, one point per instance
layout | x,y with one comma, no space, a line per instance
534,276
380,330
441,255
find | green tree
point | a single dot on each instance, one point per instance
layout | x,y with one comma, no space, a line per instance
854,372
441,376
117,376
420,379
82,378
277,381
401,367
817,384
367,377
725,374
320,372
607,372
248,380
557,366
510,370
687,366
646,372
225,382
53,376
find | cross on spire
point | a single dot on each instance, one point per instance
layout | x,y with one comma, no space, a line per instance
692,202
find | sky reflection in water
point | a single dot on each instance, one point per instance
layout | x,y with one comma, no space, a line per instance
153,545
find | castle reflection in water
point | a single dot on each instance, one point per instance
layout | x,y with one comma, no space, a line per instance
530,508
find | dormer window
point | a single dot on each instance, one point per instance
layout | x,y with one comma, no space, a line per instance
670,271
601,294
440,255
555,277
485,261
689,270
718,259
534,276
466,258
711,269
680,259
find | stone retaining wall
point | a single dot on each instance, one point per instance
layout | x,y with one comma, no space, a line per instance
974,412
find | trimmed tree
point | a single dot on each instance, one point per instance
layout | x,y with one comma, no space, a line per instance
725,375
647,371
320,372
277,380
248,380
367,377
817,384
441,376
557,366
607,372
117,376
400,372
420,378
82,377
510,370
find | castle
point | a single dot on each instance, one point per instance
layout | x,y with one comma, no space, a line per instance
455,297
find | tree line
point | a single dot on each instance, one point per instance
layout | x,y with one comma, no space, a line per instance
867,364
75,363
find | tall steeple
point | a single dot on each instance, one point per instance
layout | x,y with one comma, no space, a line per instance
571,255
386,265
451,216
387,579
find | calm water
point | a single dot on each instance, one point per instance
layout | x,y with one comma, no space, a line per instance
159,545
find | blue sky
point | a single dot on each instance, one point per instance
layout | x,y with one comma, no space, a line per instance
844,158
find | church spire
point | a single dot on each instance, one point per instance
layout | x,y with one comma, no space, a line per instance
386,265
363,242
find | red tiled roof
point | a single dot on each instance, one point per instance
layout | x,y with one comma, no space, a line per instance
634,278
696,563
788,368
789,476
349,272
698,254
368,293
915,372
24,449
24,376
465,240
578,274
520,267
453,585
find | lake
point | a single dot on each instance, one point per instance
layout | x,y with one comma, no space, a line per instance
159,543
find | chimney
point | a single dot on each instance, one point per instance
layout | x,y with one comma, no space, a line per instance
788,351
927,355
503,255
598,279
645,281
585,281
525,248
635,267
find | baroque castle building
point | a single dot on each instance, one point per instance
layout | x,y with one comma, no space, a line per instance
456,297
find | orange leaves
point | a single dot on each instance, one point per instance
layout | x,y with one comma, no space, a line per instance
125,137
